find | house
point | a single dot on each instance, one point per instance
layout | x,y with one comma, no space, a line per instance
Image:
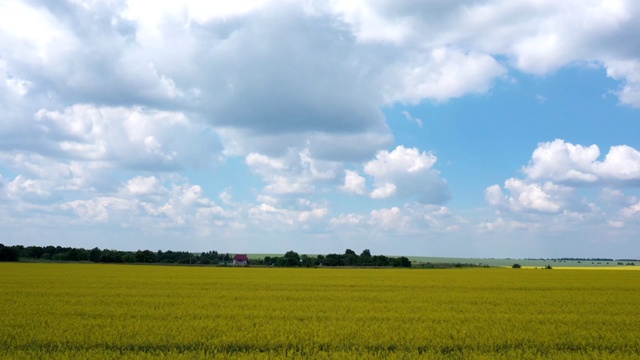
240,260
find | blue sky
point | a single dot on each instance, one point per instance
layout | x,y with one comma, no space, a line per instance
491,128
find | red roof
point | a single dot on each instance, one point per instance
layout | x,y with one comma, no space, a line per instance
240,257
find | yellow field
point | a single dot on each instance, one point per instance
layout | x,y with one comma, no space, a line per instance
619,267
93,311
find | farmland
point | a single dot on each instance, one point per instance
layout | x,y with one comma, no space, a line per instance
98,311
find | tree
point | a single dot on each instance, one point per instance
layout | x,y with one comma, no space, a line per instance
76,254
94,254
292,258
8,254
146,256
405,262
516,266
380,260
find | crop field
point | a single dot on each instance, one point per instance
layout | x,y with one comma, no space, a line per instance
532,263
97,311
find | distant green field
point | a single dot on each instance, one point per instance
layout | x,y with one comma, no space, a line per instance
262,256
509,262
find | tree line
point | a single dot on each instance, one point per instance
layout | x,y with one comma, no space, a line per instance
59,253
349,258
291,258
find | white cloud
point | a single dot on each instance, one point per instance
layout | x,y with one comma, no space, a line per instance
622,163
411,118
383,191
387,218
630,211
127,137
410,219
353,183
547,197
347,219
22,188
305,216
628,72
101,209
441,74
263,163
556,194
565,162
562,161
368,24
615,223
300,216
407,172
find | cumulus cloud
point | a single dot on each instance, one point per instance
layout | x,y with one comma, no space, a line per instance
337,65
535,37
441,74
557,185
628,72
408,219
151,200
128,137
547,197
320,83
297,172
299,215
561,161
407,172
353,183
21,188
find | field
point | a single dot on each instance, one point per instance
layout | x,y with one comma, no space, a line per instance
96,311
540,263
421,261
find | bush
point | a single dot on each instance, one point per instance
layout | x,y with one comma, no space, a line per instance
516,266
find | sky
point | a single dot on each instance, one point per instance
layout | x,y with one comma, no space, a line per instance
488,128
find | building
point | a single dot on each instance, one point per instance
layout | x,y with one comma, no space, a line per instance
240,260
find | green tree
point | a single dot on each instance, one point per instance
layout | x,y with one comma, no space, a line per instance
307,261
292,258
145,256
61,256
94,254
8,254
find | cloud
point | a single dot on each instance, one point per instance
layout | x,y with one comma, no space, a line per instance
407,172
556,190
411,118
151,201
548,197
534,37
320,82
294,173
411,218
628,72
21,188
353,183
109,106
561,161
441,74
